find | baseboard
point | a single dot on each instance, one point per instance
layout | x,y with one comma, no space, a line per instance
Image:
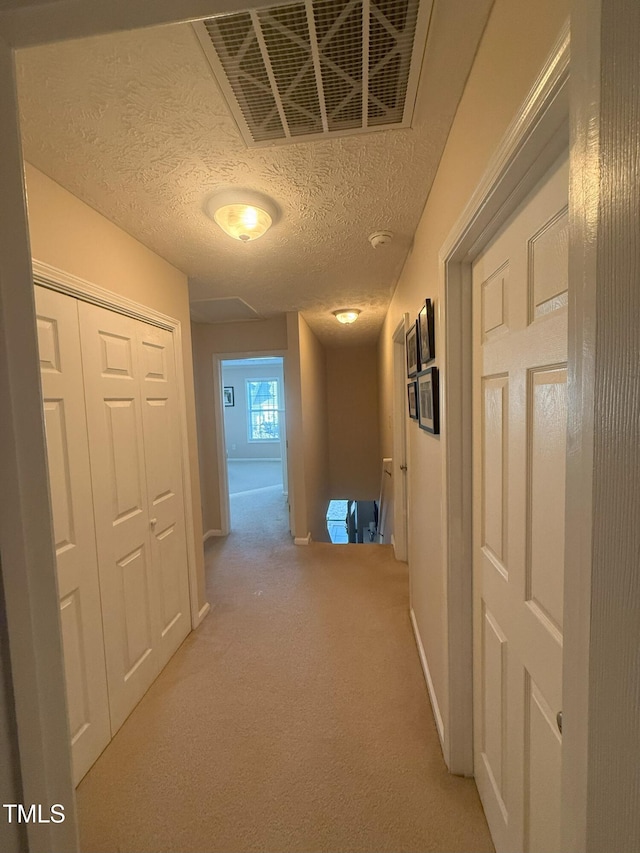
427,677
204,611
211,533
302,540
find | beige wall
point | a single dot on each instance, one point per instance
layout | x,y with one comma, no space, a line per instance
256,336
73,237
313,383
516,43
354,435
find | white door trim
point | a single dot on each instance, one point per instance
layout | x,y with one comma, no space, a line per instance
64,282
221,450
26,535
533,141
399,538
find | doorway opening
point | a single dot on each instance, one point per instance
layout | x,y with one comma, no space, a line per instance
353,522
255,444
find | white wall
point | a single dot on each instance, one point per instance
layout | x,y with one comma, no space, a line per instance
515,44
236,417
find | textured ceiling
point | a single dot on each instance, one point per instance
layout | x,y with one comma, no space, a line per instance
134,125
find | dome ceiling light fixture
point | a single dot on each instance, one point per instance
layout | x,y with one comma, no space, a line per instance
347,315
244,215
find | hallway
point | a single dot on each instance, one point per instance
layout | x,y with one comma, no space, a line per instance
295,718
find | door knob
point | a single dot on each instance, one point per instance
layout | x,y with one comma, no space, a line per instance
154,521
559,721
403,467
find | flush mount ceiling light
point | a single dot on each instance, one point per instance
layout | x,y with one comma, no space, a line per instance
347,315
244,215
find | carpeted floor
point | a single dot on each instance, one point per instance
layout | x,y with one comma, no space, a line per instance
295,718
245,476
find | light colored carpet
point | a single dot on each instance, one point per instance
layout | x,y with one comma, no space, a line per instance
244,476
294,719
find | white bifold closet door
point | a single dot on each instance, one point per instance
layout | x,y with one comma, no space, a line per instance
133,421
113,437
73,525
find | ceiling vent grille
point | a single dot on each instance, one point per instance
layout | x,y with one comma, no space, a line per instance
318,68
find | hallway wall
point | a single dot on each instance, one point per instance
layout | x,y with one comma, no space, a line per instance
516,43
354,434
70,235
313,379
332,421
209,339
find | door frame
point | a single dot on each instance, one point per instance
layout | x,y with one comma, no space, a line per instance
221,449
534,140
52,278
400,535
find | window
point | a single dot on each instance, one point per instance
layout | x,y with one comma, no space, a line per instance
262,406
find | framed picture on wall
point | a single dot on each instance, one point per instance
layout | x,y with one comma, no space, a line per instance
426,334
429,400
412,394
229,396
413,365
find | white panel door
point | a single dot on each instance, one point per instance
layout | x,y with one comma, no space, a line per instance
73,523
161,424
114,402
520,414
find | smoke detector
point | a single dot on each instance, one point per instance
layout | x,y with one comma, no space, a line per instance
380,238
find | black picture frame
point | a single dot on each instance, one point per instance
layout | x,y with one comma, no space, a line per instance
412,399
229,397
413,359
428,391
426,334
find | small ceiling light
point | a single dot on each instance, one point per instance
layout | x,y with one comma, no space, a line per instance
242,214
347,315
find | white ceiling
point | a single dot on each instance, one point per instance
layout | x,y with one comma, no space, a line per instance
134,125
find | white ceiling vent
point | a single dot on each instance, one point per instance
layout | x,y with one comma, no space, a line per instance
318,68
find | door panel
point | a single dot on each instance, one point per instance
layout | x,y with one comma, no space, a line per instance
112,382
59,474
495,427
163,467
547,452
135,610
75,665
123,459
494,694
520,418
74,533
543,751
